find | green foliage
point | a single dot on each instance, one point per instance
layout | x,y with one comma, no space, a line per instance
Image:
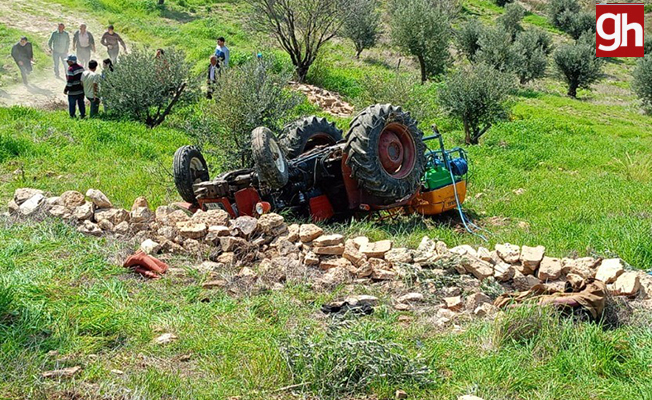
146,88
249,96
511,19
349,359
642,82
647,46
503,3
468,38
363,24
476,96
496,49
422,29
400,88
530,59
578,64
568,16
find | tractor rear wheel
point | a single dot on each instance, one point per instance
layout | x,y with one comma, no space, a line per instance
305,134
189,168
386,152
271,165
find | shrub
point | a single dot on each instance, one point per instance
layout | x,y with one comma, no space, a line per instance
349,359
146,88
249,96
468,38
529,56
578,64
476,96
642,83
399,89
362,25
502,3
576,24
496,49
422,29
558,11
511,19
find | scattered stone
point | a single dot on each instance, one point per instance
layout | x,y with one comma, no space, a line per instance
484,254
89,228
150,247
524,282
464,250
72,199
383,275
352,253
211,217
311,259
454,303
480,269
113,215
166,338
83,212
362,299
192,246
122,228
214,284
268,222
227,258
285,247
413,297
244,226
14,208
328,240
376,249
627,284
400,394
336,263
329,250
32,205
549,269
509,253
399,255
584,267
293,232
98,198
475,300
62,373
140,201
335,276
23,194
504,272
309,232
531,257
53,201
141,214
484,310
193,231
609,270
105,225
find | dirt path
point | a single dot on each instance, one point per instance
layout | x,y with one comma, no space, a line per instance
39,19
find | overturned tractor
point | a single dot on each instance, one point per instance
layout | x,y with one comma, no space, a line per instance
383,164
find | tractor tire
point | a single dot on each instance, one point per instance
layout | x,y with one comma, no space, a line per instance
271,165
189,168
305,134
386,153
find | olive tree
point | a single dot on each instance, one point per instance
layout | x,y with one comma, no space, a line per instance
252,95
496,49
477,96
467,38
530,55
568,16
578,64
146,88
363,24
422,28
510,21
642,83
301,27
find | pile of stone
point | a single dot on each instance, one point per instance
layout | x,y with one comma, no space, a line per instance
330,102
267,249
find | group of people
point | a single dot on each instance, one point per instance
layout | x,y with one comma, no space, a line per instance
219,60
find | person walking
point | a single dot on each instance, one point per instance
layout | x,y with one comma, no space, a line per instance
111,41
222,52
211,78
74,87
23,54
59,45
91,82
83,43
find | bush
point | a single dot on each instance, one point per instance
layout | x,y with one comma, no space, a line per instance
511,19
529,56
249,96
578,64
502,3
399,89
642,83
362,26
576,24
476,96
422,29
558,11
468,38
146,88
496,49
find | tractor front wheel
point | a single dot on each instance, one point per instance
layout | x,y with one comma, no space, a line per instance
189,168
271,165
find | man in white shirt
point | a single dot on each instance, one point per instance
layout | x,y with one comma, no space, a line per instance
83,43
222,52
91,82
211,78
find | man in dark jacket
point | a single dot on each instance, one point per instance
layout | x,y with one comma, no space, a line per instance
23,55
59,45
211,77
74,87
111,40
83,43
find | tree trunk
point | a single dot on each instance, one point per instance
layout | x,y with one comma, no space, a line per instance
422,65
572,90
467,133
161,2
357,54
302,72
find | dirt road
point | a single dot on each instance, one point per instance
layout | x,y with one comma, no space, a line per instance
39,19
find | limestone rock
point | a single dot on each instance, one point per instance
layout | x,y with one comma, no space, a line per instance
53,201
335,276
549,269
329,250
609,270
98,198
480,269
176,217
336,263
161,214
309,232
475,300
503,272
113,215
230,243
150,247
122,228
21,195
167,232
413,297
13,207
140,201
268,222
243,226
362,299
376,249
352,253
141,214
83,212
484,310
193,230
214,284
383,275
524,282
427,245
211,217
328,240
72,199
584,267
509,253
311,259
105,225
191,245
464,250
399,255
227,258
454,303
285,247
293,233
89,228
484,254
219,230
627,284
531,257
32,205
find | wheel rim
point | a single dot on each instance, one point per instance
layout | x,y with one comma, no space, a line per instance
396,150
196,169
277,154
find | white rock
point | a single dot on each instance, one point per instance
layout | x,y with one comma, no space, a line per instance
609,270
150,247
98,198
72,199
32,205
627,284
83,212
21,195
413,297
509,253
531,257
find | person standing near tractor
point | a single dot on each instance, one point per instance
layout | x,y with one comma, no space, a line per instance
83,43
222,52
112,41
23,54
74,87
59,45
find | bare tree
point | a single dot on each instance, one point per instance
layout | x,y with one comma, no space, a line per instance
301,27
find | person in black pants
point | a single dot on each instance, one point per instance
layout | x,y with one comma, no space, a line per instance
23,54
74,87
